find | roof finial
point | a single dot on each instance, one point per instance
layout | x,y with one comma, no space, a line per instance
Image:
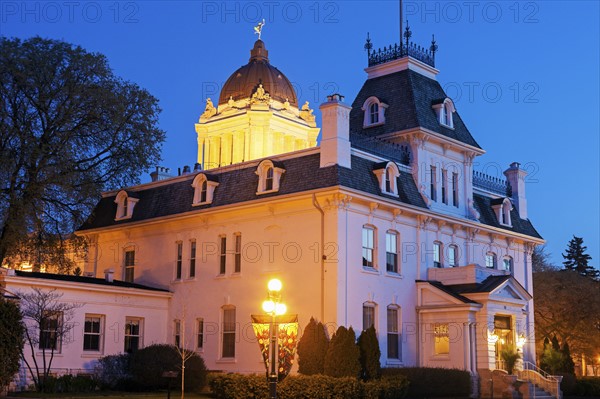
368,45
407,35
258,28
433,47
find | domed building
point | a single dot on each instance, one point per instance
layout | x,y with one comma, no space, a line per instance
257,116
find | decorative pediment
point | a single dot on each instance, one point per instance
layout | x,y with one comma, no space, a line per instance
512,290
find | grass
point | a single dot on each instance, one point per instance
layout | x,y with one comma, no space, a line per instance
108,394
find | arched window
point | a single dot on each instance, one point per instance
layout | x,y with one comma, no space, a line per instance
204,189
502,208
269,180
444,110
387,173
490,260
269,177
374,112
125,204
507,264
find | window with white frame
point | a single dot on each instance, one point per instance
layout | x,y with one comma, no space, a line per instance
507,264
125,204
452,255
394,348
204,189
133,334
490,260
92,333
455,189
129,265
192,258
237,255
433,183
199,333
387,175
441,345
444,186
445,112
269,177
368,246
50,331
368,315
223,255
228,332
391,251
437,254
179,261
374,112
177,333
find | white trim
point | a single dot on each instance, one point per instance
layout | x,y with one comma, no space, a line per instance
401,64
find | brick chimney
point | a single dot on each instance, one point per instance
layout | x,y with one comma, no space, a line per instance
516,178
335,136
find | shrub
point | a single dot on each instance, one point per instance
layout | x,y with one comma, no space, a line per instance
69,383
312,348
112,371
389,387
588,386
510,355
342,358
433,382
369,354
233,386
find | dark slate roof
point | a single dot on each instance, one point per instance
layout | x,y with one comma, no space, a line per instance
487,285
410,96
487,216
86,280
448,290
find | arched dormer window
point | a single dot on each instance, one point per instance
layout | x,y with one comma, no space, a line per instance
374,112
204,189
387,173
444,110
269,176
125,204
502,208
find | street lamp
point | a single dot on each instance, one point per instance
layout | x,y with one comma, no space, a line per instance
273,307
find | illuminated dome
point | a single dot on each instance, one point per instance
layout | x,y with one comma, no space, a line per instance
244,82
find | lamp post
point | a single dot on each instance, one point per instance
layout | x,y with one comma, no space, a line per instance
273,307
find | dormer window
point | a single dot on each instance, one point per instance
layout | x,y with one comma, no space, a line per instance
444,110
204,189
502,210
374,112
269,176
125,204
387,173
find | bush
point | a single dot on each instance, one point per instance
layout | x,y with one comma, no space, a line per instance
112,371
369,354
312,348
69,383
342,358
233,386
433,382
588,386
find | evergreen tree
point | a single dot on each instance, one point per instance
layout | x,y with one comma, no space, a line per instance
568,364
11,340
577,260
343,355
555,344
312,348
369,354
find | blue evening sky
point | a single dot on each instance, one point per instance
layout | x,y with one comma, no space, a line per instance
524,75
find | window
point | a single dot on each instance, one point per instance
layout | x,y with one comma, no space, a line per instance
133,334
393,333
92,333
502,208
391,251
374,112
179,261
269,177
204,188
444,111
228,349
125,204
177,333
269,180
238,254
223,255
452,256
129,265
124,208
437,254
507,264
455,189
368,246
368,315
490,260
388,182
200,334
444,188
387,174
442,339
433,183
192,259
50,331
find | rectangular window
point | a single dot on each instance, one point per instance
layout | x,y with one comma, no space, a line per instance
238,254
452,255
179,261
444,188
368,246
393,334
368,316
228,350
442,339
508,264
455,189
437,254
133,334
391,251
490,260
433,184
129,265
49,331
177,333
223,255
192,259
92,333
200,334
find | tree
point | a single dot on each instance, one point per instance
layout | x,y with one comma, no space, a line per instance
568,364
47,327
11,340
369,354
69,129
342,358
540,260
312,348
577,260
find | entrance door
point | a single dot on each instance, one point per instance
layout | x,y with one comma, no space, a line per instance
503,330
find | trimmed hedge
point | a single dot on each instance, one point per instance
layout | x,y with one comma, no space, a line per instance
234,386
583,386
433,382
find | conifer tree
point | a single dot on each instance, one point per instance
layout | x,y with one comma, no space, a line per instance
369,354
568,364
342,358
312,348
577,260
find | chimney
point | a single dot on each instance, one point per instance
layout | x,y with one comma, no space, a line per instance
161,173
197,167
516,178
335,136
186,169
109,275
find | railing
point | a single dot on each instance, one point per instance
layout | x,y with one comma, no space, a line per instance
533,374
393,151
397,51
490,183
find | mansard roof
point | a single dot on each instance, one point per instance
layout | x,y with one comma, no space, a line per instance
483,205
410,97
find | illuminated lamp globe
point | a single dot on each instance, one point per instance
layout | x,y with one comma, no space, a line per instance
268,306
274,285
280,309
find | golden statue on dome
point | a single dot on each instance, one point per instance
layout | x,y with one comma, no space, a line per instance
258,28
